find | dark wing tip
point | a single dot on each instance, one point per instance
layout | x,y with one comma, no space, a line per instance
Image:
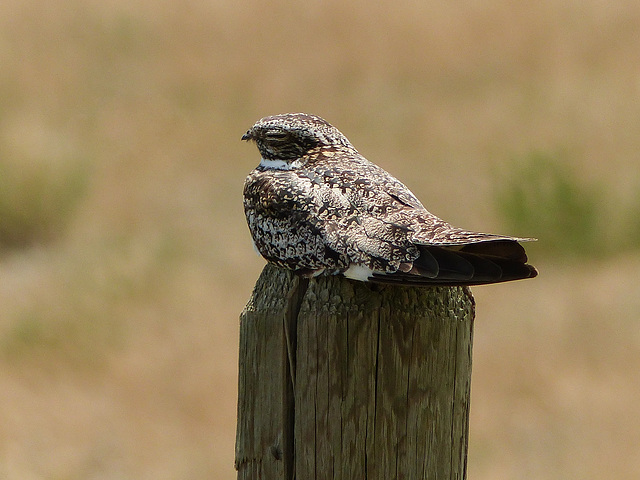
479,265
533,271
510,249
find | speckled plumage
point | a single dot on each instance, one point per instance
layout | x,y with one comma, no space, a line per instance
314,205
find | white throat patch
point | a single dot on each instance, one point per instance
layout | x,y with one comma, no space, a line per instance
279,164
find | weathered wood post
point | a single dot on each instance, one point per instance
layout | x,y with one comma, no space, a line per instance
375,383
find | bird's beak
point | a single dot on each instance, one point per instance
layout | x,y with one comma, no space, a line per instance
247,136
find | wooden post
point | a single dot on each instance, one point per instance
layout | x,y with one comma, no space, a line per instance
382,380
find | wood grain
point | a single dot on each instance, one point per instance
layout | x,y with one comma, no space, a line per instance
382,380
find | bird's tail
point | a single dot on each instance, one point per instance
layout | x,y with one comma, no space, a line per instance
478,263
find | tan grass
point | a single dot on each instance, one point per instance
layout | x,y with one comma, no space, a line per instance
119,339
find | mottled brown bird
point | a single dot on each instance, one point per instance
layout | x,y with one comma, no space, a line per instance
316,206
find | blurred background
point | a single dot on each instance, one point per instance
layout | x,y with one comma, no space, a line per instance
125,259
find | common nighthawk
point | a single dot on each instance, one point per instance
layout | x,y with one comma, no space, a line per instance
316,206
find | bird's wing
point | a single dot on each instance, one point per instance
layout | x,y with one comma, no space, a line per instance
447,255
391,202
362,237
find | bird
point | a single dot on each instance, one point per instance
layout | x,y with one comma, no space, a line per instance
315,206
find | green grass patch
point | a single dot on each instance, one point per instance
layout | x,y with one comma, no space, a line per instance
38,197
541,196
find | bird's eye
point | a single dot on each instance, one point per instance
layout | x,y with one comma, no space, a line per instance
276,135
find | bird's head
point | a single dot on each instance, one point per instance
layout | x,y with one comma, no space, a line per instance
284,140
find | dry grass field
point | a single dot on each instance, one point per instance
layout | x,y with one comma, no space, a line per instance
125,260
